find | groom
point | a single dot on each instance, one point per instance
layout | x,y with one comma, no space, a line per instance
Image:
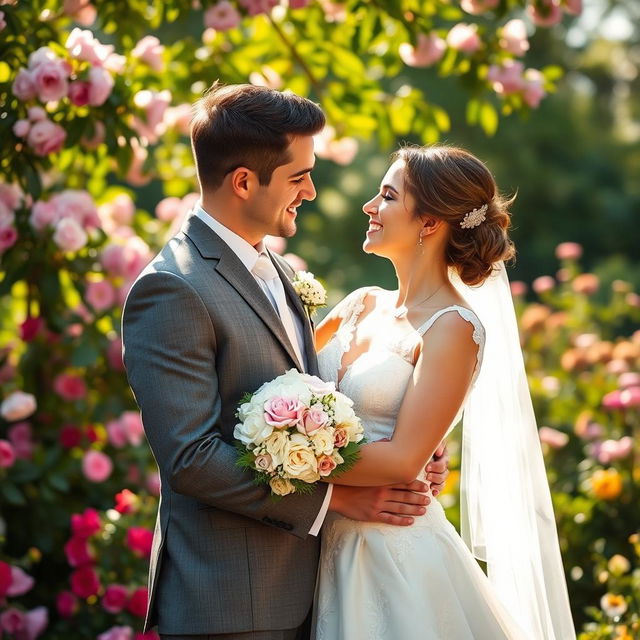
212,317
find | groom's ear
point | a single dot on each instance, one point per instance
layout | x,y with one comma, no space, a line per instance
242,182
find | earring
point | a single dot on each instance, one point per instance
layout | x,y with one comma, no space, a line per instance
420,239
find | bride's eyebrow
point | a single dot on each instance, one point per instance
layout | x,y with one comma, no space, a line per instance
388,186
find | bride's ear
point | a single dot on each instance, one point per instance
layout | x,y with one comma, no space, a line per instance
430,225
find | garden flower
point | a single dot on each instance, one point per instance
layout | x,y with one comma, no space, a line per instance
100,86
51,79
20,436
85,524
613,605
149,50
30,328
18,406
66,604
70,436
573,7
78,205
543,284
153,483
117,633
618,565
69,235
137,604
612,400
21,582
568,251
630,397
78,553
222,16
24,87
139,540
178,118
428,50
70,387
464,37
115,598
8,237
545,13
83,45
12,620
256,7
606,484
7,454
85,582
611,450
5,579
96,466
100,295
533,90
629,379
126,502
36,622
552,437
3,22
169,208
79,93
10,195
476,7
586,283
514,37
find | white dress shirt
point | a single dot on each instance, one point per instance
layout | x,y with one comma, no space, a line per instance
248,255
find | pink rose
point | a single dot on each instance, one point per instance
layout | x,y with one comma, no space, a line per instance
115,598
572,7
552,437
18,406
7,454
96,466
545,13
117,633
12,620
263,462
137,605
568,251
464,37
5,579
428,50
154,104
30,328
132,423
118,211
7,217
10,195
46,137
117,434
630,397
281,412
36,622
96,138
514,37
69,235
100,86
3,22
8,237
518,288
85,582
21,128
326,464
612,400
114,354
169,208
20,436
476,7
24,87
79,93
43,214
51,80
126,502
179,118
154,483
543,284
86,524
533,90
35,114
629,379
150,51
21,582
256,7
78,553
66,604
340,438
507,77
611,450
586,283
70,387
135,174
100,295
82,45
313,418
140,541
83,12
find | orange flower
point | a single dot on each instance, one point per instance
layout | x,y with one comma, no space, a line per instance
606,484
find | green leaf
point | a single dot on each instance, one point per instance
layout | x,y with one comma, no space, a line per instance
12,494
488,118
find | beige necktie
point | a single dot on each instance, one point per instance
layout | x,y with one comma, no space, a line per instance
265,270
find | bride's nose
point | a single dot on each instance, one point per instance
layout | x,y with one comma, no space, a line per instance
370,208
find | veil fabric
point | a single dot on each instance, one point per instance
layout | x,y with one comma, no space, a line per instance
507,517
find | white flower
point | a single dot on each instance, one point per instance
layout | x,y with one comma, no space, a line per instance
613,605
253,429
275,446
18,406
299,459
322,441
312,294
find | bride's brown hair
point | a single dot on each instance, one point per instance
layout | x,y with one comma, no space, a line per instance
449,182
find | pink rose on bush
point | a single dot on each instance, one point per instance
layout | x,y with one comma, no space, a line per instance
117,434
568,251
179,118
10,195
139,540
126,502
611,450
24,87
70,387
7,454
77,551
5,579
36,622
18,406
20,436
552,437
545,13
572,7
86,524
281,412
154,104
96,466
79,93
464,37
586,283
100,86
12,620
222,16
169,208
82,45
66,604
85,582
43,214
137,604
153,483
428,50
51,80
21,582
70,436
46,137
115,598
100,295
543,284
507,77
149,50
117,633
134,429
514,37
69,235
8,237
533,90
476,7
630,397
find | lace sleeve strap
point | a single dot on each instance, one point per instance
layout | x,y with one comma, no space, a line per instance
352,306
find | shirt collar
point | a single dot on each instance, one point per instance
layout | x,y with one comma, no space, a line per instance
247,253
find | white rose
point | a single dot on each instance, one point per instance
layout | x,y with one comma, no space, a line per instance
281,486
322,440
299,459
253,430
342,408
18,406
319,387
275,446
354,429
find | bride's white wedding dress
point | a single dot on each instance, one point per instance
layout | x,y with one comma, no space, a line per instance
382,582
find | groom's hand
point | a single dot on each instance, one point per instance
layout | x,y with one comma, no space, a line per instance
395,504
437,469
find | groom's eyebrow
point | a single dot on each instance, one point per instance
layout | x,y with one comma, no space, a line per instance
301,172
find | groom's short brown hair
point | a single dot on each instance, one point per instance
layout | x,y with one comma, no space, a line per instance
244,125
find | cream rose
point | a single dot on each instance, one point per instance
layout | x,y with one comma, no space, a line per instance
275,446
299,459
323,441
281,486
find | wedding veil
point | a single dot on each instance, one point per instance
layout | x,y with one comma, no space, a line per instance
507,517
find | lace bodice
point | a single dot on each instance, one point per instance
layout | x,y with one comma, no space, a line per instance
376,379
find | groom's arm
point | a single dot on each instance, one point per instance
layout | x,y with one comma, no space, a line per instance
170,347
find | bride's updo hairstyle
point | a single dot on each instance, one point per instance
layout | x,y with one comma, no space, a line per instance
448,183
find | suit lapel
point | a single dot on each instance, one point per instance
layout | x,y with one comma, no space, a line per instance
230,267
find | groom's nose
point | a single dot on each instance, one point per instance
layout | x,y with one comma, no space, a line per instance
309,190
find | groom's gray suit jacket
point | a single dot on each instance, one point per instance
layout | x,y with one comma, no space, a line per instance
198,333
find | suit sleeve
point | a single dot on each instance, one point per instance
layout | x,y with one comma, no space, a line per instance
169,354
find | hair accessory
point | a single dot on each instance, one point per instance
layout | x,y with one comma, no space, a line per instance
475,217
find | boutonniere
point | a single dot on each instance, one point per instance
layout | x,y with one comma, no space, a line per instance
311,293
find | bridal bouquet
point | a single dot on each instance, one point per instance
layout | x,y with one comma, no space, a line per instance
295,430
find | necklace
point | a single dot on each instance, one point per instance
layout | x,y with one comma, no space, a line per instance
403,310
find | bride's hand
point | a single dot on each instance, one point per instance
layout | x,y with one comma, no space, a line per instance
437,469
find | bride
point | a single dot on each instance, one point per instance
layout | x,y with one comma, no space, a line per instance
411,359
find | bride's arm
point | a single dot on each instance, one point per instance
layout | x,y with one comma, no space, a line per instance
332,321
436,390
